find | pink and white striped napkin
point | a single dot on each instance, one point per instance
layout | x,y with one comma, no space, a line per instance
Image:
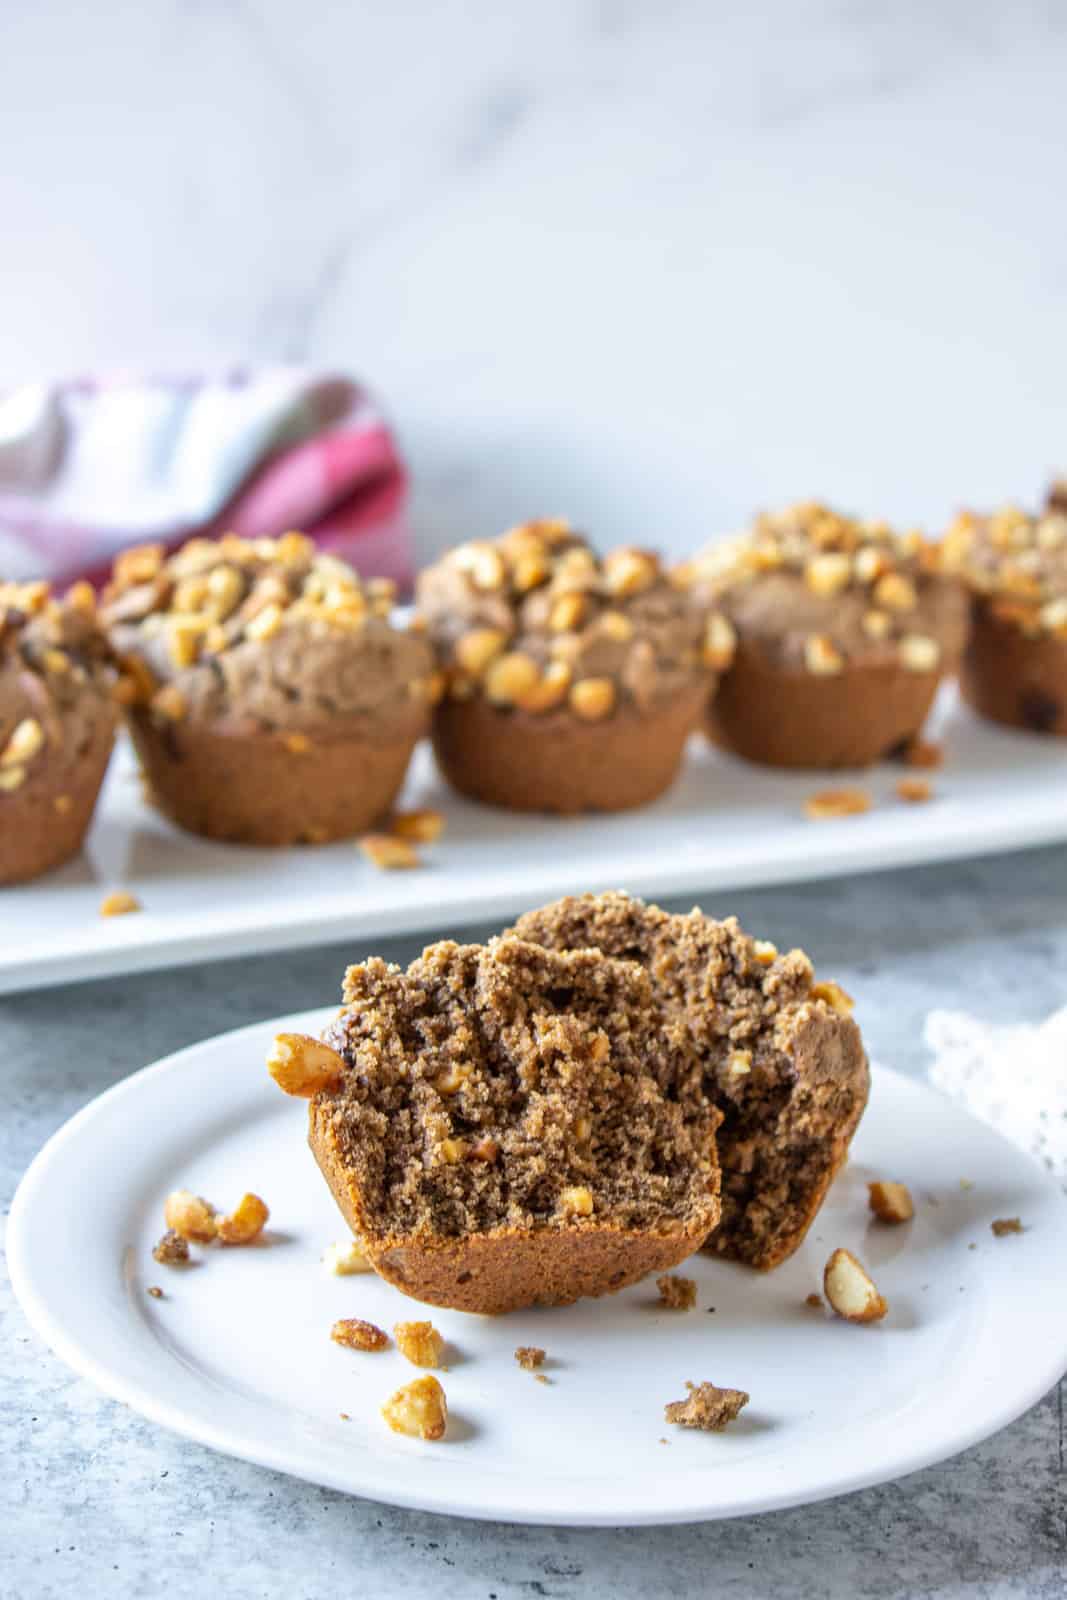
91,465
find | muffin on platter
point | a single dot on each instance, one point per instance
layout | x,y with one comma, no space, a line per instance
844,631
571,681
271,701
57,724
1015,565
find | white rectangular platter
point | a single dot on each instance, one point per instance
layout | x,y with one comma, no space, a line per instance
725,825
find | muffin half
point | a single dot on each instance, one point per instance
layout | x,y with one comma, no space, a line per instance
572,682
1015,566
844,631
57,724
507,1125
272,701
782,1058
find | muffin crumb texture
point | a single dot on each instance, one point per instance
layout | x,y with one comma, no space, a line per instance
780,1055
530,1356
707,1407
677,1294
515,1124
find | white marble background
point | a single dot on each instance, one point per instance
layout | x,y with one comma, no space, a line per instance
650,264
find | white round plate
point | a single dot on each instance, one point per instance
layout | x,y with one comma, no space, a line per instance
237,1353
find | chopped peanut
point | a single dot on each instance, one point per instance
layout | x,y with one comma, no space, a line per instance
821,656
914,790
388,853
576,1202
592,699
190,1216
834,996
530,1356
119,904
355,1334
304,1066
476,649
830,803
420,1342
815,1301
1006,1225
419,1409
890,1202
419,827
919,653
851,1291
344,1260
25,742
245,1222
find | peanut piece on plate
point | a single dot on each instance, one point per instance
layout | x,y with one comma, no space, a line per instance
355,1334
245,1222
890,1202
420,1342
190,1216
851,1291
418,1409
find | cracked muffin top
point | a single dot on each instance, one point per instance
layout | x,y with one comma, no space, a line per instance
256,634
57,674
1017,562
536,621
815,590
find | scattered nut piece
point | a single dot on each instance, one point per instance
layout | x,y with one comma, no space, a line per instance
815,1301
420,1342
509,677
821,656
119,904
25,742
890,1202
245,1222
419,1409
894,592
304,1066
707,1407
453,1150
576,1202
297,743
740,1063
829,803
876,624
922,753
172,1250
764,951
720,642
388,853
155,1291
1004,1225
355,1334
539,1377
835,997
344,1260
920,653
549,692
827,574
592,699
476,649
615,625
530,1356
568,613
678,1294
419,827
11,778
850,1290
629,572
914,790
191,1216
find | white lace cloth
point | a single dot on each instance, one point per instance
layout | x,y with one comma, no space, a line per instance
1011,1075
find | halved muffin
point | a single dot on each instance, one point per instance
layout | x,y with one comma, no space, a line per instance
506,1125
844,631
57,724
782,1058
272,700
1015,565
572,682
